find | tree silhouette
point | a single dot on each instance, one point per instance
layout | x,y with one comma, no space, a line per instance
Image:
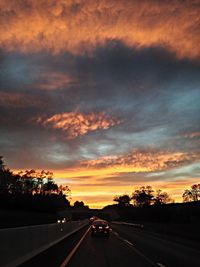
64,190
6,177
36,182
143,196
49,188
31,189
123,200
80,204
192,194
2,165
161,198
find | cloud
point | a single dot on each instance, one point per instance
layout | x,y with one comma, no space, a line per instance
143,161
76,124
155,96
179,172
192,135
18,100
53,81
59,26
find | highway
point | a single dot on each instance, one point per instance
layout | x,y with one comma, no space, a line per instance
126,246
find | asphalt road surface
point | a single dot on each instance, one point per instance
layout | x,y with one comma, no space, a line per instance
163,250
126,246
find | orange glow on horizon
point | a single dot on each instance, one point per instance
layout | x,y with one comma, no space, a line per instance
96,197
96,188
97,181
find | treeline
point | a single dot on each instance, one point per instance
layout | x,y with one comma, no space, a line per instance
148,205
31,190
167,213
144,196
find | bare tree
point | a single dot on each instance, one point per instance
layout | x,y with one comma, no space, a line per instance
162,198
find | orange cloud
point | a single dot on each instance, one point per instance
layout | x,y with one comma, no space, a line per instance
76,124
59,26
106,169
143,161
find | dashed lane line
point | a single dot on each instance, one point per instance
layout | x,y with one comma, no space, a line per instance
115,233
160,264
136,250
128,242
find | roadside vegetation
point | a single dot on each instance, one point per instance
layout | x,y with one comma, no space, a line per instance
144,196
148,205
31,190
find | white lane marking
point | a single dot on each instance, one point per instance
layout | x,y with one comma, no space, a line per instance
129,224
160,264
137,251
115,233
128,242
68,258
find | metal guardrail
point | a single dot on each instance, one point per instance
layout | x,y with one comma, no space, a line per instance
17,245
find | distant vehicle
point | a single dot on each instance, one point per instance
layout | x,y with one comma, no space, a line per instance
92,219
61,220
100,227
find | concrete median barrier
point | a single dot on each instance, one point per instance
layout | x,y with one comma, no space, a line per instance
17,245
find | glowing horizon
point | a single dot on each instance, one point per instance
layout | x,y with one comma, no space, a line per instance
95,186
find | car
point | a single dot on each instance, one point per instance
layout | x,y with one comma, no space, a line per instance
101,228
61,220
93,218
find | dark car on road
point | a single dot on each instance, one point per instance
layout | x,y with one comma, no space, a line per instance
100,227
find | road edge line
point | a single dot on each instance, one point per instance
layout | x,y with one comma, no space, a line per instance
68,258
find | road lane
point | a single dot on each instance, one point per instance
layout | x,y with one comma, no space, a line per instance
73,251
165,252
127,246
55,255
107,252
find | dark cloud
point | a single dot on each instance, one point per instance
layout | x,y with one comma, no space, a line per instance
154,94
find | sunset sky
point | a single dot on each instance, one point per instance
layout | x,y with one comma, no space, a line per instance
104,93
